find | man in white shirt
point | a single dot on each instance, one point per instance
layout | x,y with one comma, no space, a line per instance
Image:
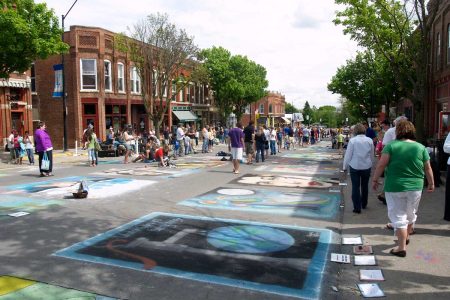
389,135
180,140
359,159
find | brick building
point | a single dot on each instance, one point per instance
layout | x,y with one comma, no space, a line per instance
439,106
16,109
269,110
104,89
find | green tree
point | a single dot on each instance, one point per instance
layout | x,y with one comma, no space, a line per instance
290,108
366,82
401,32
328,115
307,113
29,32
236,80
164,57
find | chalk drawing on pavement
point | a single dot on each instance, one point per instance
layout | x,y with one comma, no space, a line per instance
12,288
312,205
314,156
290,181
280,259
11,204
296,169
99,187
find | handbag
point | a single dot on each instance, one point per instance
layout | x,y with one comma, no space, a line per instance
97,146
45,164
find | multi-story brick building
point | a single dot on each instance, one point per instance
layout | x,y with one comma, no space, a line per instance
104,89
439,105
269,110
16,109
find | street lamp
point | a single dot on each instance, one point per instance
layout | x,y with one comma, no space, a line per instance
63,17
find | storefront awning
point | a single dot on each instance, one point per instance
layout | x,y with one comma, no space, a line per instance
286,120
185,115
20,83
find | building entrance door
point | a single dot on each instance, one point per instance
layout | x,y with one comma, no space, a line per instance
17,122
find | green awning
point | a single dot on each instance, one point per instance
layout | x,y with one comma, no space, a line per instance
185,115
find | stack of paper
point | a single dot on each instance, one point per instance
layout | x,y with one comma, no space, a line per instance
365,260
356,240
371,275
340,258
370,290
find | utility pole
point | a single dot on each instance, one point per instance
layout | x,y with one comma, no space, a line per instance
63,17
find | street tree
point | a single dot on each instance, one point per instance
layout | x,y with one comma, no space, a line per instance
367,82
401,32
327,114
30,31
307,113
236,80
165,60
290,108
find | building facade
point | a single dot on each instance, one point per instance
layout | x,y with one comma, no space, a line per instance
103,89
16,107
269,110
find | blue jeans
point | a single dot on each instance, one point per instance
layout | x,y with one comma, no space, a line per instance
205,145
273,147
91,155
260,151
30,156
360,187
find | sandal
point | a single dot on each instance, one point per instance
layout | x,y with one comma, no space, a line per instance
398,253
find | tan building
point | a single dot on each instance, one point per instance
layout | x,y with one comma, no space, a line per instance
103,89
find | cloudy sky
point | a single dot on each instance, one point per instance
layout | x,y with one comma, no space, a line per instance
295,40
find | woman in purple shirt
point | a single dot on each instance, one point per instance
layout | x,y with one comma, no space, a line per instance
43,145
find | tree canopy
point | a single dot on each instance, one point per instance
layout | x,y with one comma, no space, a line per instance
290,108
164,56
400,31
236,80
29,32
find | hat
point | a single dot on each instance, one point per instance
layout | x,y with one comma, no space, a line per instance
90,126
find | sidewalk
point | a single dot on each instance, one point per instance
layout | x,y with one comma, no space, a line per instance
59,156
424,273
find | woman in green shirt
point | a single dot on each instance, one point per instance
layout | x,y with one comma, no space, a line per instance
406,162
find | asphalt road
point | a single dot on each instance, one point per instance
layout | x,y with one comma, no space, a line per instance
28,244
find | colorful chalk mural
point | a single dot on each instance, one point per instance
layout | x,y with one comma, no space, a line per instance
287,181
99,187
147,171
280,259
12,204
296,169
314,156
312,205
14,288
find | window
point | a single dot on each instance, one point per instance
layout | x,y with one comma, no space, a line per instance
247,109
261,108
174,91
33,78
155,83
135,81
270,109
182,94
120,78
107,66
88,74
438,51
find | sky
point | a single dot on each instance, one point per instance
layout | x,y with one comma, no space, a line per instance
295,40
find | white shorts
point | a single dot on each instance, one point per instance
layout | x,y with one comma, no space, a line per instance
402,207
237,153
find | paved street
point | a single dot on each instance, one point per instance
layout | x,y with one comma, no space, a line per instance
198,231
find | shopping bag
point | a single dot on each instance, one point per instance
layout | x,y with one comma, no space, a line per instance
45,165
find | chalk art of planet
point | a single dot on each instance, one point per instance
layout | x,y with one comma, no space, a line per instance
235,192
250,239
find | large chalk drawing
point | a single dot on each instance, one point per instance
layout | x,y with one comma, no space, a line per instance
99,187
287,181
313,205
314,156
14,288
147,171
280,259
10,204
296,169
